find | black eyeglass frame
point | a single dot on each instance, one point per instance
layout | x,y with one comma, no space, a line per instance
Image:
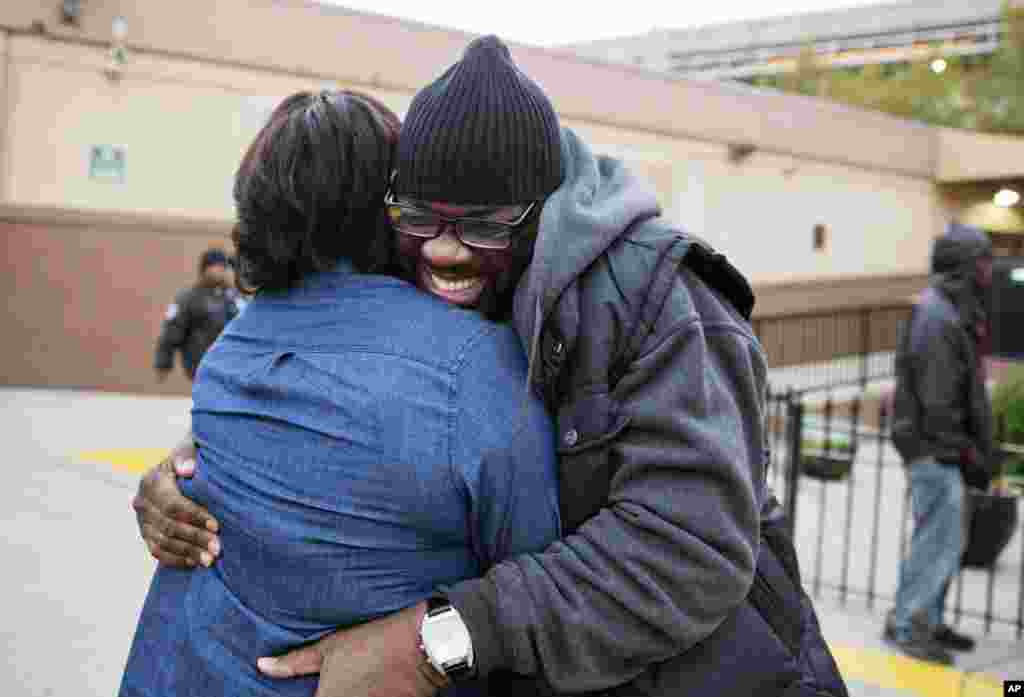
457,223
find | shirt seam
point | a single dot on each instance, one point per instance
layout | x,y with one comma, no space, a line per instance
461,358
448,366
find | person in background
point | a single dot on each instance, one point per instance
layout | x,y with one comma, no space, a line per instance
942,430
198,315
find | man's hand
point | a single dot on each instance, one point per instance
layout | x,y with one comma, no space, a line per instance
176,530
377,659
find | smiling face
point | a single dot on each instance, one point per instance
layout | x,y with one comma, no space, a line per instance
465,275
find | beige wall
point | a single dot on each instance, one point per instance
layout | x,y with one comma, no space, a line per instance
761,212
183,127
987,215
972,204
971,156
294,37
184,124
4,111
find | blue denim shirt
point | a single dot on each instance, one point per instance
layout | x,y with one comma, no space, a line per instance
342,427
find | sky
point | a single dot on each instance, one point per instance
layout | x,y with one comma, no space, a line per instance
554,22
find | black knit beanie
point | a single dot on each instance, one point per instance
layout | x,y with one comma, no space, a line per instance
483,133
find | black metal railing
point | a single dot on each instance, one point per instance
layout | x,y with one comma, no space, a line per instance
844,489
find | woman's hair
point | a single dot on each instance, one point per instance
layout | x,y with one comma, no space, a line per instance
310,189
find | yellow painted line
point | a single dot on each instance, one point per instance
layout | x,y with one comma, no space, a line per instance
135,460
914,677
869,666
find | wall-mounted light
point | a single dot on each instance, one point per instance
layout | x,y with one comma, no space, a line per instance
820,237
118,51
738,152
939,66
1006,198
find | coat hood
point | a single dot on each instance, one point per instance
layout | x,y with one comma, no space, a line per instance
597,201
958,249
953,267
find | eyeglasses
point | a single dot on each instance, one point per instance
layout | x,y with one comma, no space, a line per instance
473,232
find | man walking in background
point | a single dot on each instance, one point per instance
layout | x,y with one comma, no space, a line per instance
942,429
198,314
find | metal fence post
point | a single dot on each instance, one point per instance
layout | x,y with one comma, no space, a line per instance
795,416
882,438
865,345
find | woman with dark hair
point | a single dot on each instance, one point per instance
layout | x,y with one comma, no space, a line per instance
309,190
342,422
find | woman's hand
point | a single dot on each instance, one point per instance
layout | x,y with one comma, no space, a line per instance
177,531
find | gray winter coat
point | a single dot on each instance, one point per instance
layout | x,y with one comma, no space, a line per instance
941,408
661,455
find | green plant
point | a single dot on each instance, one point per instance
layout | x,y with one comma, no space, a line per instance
835,444
984,92
1008,414
1014,466
828,457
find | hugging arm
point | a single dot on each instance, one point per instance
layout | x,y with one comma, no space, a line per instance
177,531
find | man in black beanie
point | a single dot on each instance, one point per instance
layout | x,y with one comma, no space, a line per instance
639,341
197,316
485,137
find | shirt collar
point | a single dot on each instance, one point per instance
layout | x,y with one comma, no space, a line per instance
319,279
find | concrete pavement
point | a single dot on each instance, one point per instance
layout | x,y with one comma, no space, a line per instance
76,572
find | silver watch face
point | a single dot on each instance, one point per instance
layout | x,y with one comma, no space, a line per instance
446,639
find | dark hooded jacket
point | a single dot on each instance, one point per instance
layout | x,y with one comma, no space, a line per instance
658,386
941,408
193,322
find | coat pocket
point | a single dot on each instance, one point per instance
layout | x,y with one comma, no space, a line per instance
587,428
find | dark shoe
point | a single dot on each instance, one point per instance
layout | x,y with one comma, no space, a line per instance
920,646
888,634
945,636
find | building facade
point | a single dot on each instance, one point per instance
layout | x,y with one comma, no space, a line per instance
120,133
891,33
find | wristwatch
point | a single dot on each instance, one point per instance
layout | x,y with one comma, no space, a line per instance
445,640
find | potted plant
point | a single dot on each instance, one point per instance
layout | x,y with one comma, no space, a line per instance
994,513
1013,469
827,456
